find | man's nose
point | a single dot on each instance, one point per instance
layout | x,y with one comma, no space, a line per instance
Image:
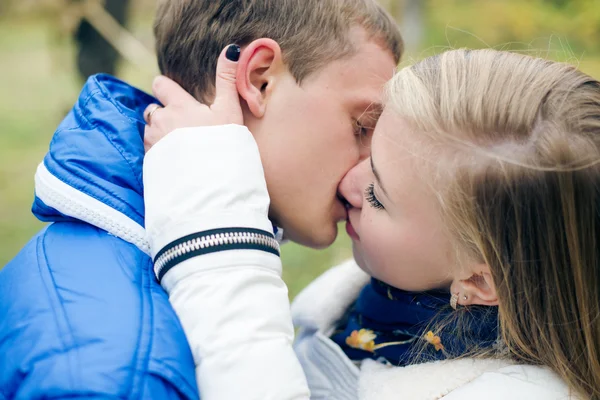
352,185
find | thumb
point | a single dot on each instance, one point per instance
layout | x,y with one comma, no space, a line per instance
168,92
227,99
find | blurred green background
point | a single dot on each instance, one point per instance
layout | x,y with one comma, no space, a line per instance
39,80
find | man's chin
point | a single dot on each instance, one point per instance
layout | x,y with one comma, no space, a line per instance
318,240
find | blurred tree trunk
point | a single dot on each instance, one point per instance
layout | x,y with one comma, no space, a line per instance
410,16
94,53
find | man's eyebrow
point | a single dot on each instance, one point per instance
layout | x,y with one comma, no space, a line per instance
377,177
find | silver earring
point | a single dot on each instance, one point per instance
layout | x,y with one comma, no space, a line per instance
454,300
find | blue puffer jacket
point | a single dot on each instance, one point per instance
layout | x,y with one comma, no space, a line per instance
81,313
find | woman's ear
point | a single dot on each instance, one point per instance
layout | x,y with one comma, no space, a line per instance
477,289
258,69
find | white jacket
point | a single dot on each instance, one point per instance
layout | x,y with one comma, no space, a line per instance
331,375
233,304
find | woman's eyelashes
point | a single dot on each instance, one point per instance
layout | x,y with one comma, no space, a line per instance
372,199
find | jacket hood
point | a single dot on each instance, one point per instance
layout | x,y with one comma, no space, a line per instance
93,169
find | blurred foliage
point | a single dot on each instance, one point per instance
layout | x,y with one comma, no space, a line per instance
508,24
43,7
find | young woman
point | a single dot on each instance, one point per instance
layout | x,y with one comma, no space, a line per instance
477,218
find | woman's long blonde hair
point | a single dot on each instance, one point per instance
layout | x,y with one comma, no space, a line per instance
523,141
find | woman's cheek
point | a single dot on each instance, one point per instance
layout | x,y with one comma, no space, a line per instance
376,251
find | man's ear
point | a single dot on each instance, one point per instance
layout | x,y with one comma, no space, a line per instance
477,289
258,69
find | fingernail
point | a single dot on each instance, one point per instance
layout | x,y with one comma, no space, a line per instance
157,80
233,53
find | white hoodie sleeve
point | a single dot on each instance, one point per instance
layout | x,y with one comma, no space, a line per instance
207,220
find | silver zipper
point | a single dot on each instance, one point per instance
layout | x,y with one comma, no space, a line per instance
211,242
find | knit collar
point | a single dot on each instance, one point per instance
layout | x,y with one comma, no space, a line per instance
401,327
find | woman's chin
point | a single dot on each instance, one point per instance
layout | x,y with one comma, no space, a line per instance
358,257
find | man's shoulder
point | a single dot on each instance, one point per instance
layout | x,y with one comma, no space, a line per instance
71,265
79,303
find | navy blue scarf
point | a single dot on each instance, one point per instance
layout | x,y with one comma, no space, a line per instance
400,327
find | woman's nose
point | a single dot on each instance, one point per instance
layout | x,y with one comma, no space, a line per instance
353,184
364,150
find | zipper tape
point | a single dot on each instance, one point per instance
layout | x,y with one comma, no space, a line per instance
76,204
212,241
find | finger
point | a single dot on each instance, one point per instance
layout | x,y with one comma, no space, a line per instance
168,92
227,98
152,135
149,112
148,142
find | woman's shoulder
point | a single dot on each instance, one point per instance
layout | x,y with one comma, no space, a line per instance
464,379
515,382
325,300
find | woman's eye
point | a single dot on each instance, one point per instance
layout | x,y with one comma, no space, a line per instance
372,199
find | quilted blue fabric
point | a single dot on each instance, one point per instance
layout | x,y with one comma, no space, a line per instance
81,313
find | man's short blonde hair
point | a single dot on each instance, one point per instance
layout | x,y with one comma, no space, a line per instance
190,34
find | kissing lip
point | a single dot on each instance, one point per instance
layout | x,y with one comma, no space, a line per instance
344,203
347,207
350,229
351,232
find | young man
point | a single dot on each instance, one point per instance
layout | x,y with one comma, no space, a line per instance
82,313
